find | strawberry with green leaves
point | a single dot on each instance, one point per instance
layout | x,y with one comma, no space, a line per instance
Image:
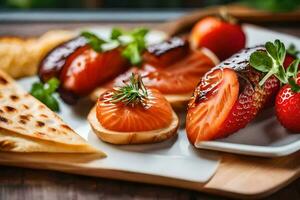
287,103
230,96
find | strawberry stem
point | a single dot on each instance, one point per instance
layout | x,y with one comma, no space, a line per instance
223,13
263,80
271,61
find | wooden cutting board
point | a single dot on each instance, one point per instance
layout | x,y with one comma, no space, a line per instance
237,176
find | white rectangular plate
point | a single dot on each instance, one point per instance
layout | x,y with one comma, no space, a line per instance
176,158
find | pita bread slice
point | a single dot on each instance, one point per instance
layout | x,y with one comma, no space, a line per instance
27,125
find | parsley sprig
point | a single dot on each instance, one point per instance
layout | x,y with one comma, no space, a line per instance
93,40
44,93
271,63
133,42
132,93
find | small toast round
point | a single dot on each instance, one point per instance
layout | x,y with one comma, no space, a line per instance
141,137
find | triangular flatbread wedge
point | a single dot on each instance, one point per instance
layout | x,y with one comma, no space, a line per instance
27,125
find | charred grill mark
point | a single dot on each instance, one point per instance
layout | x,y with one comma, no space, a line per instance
3,119
6,145
240,61
25,106
52,129
22,121
40,124
43,115
53,63
3,81
24,117
65,127
14,97
161,48
9,109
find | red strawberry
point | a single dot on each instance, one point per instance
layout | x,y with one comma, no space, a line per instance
220,36
287,107
227,98
288,60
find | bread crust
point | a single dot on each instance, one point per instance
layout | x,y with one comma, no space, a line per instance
21,56
115,137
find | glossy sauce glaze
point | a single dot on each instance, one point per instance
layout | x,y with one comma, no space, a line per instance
248,77
155,113
54,61
171,67
228,97
86,69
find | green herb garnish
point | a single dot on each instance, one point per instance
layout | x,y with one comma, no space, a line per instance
44,93
271,63
132,93
116,33
133,43
93,40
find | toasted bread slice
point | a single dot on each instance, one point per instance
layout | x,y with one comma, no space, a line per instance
20,57
27,125
116,137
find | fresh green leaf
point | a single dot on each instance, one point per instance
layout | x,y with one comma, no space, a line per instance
45,92
133,42
272,50
293,69
37,92
51,102
116,33
280,51
261,61
271,62
37,86
93,40
139,37
52,85
131,52
294,86
280,74
139,32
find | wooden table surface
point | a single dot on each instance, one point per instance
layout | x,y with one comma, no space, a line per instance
28,184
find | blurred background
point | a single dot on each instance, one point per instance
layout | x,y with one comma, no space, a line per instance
45,15
271,5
